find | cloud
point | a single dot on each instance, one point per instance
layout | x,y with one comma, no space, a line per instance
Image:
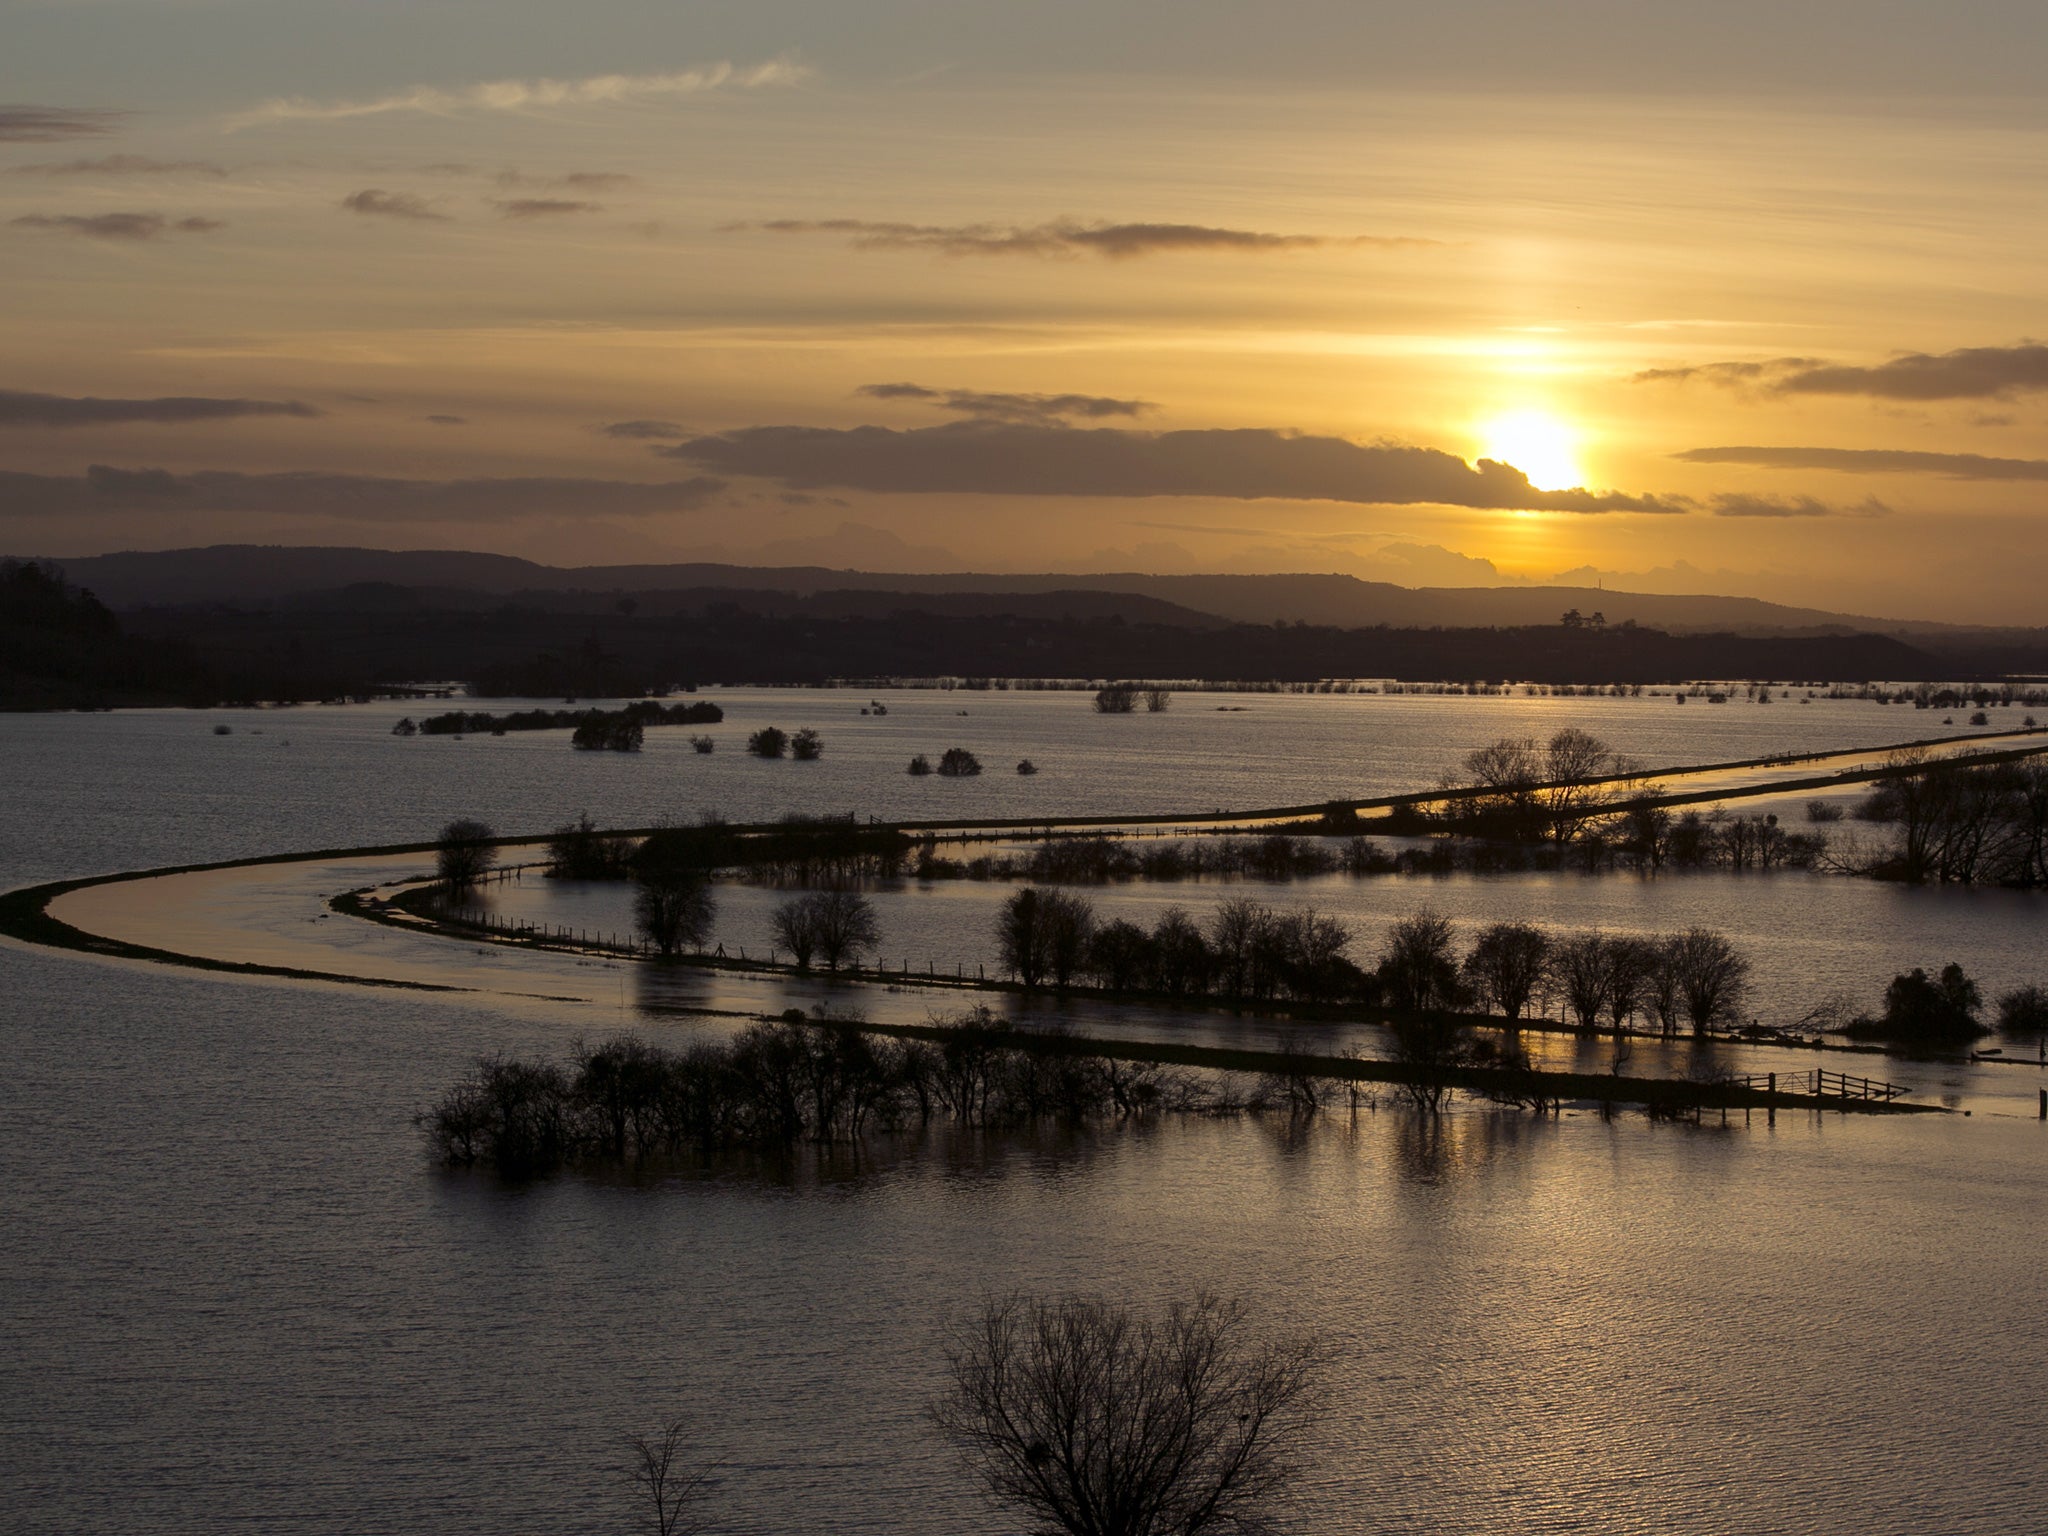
1736,504
117,226
377,203
1044,409
23,124
20,408
447,421
524,95
644,430
1968,373
353,498
982,457
1875,461
577,181
1060,238
541,207
120,165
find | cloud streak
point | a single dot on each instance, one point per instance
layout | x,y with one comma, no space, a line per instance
21,408
1875,461
1044,409
525,95
1737,504
103,489
644,431
542,207
132,227
982,457
120,165
1967,373
1061,238
24,124
376,203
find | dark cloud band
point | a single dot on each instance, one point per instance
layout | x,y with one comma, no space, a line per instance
1875,461
1010,407
1061,237
1968,373
349,498
19,408
23,124
1022,459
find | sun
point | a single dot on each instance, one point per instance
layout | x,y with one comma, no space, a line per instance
1540,446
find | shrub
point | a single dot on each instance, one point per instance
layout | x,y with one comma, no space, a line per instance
463,852
607,733
1027,767
2023,1011
1823,811
768,742
806,746
920,765
703,744
1116,699
958,763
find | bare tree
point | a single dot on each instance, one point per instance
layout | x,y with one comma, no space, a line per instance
1506,966
1418,970
796,929
670,1489
1713,975
845,924
1578,969
1096,1421
463,852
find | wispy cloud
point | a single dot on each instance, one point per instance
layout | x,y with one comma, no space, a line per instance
1060,238
542,207
1967,373
21,408
571,181
117,226
997,458
120,165
375,202
1044,409
644,431
23,124
525,95
358,498
1875,461
1738,505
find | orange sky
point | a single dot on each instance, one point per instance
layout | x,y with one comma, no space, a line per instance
1160,302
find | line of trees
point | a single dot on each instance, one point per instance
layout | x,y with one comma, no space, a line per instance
776,1085
644,712
1248,951
1962,823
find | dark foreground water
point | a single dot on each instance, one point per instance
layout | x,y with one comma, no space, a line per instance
234,1295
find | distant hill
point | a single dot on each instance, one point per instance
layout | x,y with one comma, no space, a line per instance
365,580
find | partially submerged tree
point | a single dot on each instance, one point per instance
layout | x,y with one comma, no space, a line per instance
463,853
1116,699
1094,1420
958,763
1505,966
669,1488
806,746
673,904
1713,977
769,741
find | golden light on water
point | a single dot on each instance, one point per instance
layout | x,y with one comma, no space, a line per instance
1539,445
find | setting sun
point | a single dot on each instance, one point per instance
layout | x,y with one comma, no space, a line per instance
1540,446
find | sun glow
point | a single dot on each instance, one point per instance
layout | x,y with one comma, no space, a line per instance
1540,446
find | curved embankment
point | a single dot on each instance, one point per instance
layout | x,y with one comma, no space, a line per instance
26,915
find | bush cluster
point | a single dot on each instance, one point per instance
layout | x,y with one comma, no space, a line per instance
773,1086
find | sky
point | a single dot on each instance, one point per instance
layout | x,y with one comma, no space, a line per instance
1744,299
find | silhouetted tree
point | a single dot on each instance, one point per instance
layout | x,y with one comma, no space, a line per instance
1713,977
669,1487
1094,1420
958,763
1418,969
1505,966
796,929
806,746
463,853
1116,699
1578,973
768,742
846,926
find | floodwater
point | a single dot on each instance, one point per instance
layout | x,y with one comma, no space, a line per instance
234,1294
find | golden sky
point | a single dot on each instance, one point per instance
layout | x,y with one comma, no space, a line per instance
1742,303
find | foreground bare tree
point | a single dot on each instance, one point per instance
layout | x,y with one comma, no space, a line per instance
463,853
670,1488
1096,1421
